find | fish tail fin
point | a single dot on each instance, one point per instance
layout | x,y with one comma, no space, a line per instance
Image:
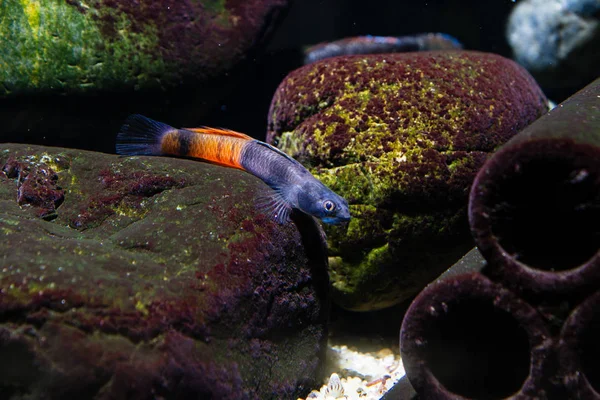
140,135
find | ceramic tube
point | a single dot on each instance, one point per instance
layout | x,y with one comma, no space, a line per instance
468,337
534,206
579,350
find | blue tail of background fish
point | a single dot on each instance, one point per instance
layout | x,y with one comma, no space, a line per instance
140,135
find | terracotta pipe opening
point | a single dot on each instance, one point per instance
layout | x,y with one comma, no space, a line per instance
534,212
478,351
579,350
467,337
590,352
546,211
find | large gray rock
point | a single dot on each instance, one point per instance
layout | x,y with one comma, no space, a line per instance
557,40
152,277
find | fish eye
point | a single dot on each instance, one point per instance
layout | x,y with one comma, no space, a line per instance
328,205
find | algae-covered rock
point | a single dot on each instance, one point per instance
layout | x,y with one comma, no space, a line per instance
401,136
73,46
152,278
71,71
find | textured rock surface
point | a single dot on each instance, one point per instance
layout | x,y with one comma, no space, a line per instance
401,137
71,46
152,277
103,59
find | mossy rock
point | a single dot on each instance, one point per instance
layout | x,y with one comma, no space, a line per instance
72,71
152,277
59,46
401,136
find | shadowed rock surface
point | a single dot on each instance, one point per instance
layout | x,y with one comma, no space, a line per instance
401,136
152,277
578,350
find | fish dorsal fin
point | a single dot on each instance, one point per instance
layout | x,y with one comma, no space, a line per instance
276,150
219,131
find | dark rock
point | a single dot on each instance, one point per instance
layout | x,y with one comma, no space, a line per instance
401,136
157,277
557,41
36,186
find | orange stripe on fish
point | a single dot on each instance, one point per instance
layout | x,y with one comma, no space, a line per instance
171,143
223,150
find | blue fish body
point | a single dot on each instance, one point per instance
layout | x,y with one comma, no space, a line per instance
294,186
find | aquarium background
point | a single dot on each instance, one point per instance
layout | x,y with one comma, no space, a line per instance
161,277
242,97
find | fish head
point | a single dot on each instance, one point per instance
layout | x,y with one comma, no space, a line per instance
318,200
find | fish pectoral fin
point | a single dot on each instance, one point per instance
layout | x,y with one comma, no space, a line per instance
219,132
273,204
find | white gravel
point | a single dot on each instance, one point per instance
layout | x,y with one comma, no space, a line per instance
361,376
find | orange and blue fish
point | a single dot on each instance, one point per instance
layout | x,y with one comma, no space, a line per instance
294,187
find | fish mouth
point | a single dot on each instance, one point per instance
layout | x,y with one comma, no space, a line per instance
336,220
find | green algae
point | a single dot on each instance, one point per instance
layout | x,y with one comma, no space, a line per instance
52,46
72,47
291,141
348,274
215,6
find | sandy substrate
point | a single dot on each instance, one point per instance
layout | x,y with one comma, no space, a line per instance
359,375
